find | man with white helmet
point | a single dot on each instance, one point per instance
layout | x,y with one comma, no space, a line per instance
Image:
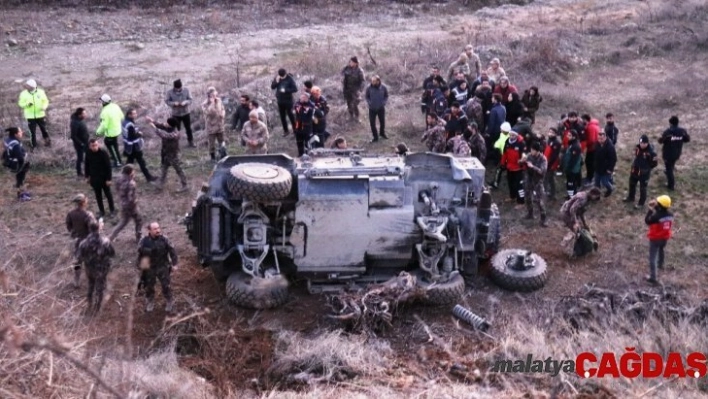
34,103
660,220
111,127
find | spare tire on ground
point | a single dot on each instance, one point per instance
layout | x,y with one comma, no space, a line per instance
257,292
259,182
442,293
518,270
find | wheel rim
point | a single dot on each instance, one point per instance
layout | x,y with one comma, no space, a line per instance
261,172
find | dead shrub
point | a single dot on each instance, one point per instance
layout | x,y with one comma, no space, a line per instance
543,57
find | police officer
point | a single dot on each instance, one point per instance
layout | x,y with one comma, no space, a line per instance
78,221
645,160
157,258
536,166
95,252
672,143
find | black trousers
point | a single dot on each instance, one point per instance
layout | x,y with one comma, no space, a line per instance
590,165
112,147
643,181
101,188
301,136
286,110
21,174
670,179
516,188
187,120
573,182
381,115
80,152
138,156
33,123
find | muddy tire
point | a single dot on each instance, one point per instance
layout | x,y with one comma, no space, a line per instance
259,182
442,294
256,292
518,280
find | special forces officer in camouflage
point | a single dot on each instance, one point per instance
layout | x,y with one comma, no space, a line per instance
95,252
536,166
128,203
77,223
170,150
157,258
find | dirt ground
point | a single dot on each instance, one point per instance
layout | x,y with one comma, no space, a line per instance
644,61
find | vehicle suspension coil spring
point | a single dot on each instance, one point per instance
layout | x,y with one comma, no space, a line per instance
477,322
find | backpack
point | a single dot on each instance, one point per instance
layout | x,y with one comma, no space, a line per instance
584,244
8,160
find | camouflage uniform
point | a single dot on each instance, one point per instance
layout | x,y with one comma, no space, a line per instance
434,138
162,256
214,117
95,252
536,166
170,152
459,147
573,210
475,113
478,148
352,83
77,223
255,131
128,207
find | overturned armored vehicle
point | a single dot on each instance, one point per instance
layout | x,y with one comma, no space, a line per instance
339,219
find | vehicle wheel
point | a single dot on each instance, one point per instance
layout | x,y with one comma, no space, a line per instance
445,293
518,280
256,292
220,274
259,182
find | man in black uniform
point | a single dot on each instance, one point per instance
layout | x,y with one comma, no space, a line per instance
157,259
78,221
672,140
95,253
644,161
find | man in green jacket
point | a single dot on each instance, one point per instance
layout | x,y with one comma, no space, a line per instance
110,128
34,103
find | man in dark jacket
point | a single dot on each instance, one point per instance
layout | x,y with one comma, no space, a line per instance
660,220
434,76
553,155
672,143
605,160
133,144
376,98
304,118
79,137
179,99
611,130
158,259
15,159
284,86
352,83
645,160
572,165
456,121
99,174
78,221
497,116
240,116
319,126
95,252
170,151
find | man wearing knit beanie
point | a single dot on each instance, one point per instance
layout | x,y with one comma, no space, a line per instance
178,99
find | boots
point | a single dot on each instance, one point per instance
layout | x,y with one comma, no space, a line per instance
529,215
77,277
150,305
213,156
168,307
543,220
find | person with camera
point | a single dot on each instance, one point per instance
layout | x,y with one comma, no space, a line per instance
645,160
284,86
660,221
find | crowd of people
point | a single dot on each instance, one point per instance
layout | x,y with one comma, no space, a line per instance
476,112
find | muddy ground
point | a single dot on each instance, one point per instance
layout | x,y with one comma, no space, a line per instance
644,61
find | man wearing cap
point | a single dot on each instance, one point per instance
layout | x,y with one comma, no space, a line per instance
128,203
78,221
214,118
536,166
352,84
255,135
178,99
284,86
660,220
645,160
34,103
672,143
170,151
110,128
